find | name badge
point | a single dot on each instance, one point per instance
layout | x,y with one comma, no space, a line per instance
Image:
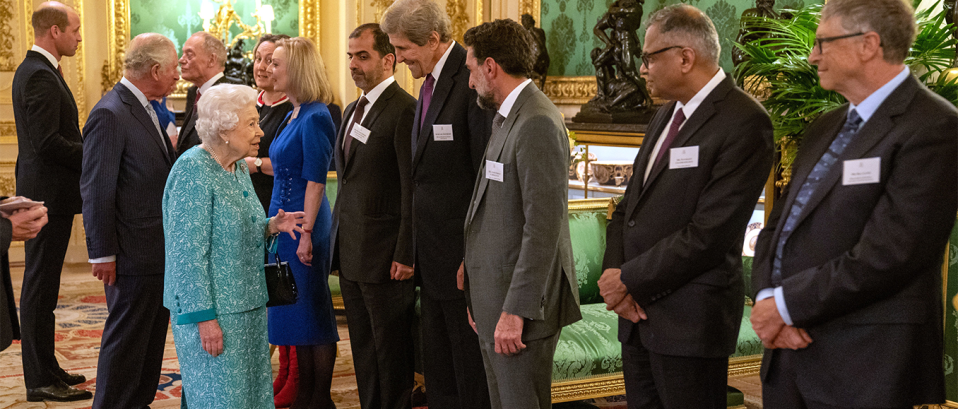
442,132
861,171
684,157
494,171
359,133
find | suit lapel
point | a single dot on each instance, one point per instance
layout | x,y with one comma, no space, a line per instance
444,84
340,137
46,62
139,112
868,135
652,134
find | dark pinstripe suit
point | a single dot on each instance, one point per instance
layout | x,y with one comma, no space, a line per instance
124,173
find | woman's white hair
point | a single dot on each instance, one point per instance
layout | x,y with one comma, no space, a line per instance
218,110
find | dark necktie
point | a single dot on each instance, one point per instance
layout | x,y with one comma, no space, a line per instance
426,97
497,121
852,124
357,118
673,131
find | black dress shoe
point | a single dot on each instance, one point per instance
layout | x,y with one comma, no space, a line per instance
59,392
70,379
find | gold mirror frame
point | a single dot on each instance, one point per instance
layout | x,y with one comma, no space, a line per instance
119,38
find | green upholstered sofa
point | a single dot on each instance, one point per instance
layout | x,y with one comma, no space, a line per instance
588,358
332,187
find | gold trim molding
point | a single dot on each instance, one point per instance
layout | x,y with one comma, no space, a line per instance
587,388
118,16
7,60
532,8
570,90
459,17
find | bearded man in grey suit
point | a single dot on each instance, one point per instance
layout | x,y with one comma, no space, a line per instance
518,271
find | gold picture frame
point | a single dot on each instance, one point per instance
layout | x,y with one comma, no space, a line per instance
119,39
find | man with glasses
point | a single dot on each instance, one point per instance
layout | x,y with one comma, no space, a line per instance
673,261
848,271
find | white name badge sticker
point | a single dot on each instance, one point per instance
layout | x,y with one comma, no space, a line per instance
861,171
442,132
359,133
684,157
494,171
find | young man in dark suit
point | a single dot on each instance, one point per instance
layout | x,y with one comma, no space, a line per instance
673,261
848,270
127,157
372,223
202,63
449,136
48,170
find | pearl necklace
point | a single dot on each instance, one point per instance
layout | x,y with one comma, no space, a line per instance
217,159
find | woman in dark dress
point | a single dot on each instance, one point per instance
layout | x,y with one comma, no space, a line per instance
300,156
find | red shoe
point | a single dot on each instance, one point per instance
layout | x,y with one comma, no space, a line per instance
283,369
287,395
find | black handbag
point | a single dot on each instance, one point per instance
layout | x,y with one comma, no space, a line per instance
280,284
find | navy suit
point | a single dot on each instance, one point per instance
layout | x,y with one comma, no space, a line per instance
125,168
48,170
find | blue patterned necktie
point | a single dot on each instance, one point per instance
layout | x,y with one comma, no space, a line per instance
848,132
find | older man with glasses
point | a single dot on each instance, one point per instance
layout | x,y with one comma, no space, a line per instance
673,265
849,268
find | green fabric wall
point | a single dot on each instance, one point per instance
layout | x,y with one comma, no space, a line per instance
568,25
178,19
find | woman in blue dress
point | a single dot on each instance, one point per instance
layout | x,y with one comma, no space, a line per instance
300,155
214,284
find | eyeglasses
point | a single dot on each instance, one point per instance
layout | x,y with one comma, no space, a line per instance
819,41
647,57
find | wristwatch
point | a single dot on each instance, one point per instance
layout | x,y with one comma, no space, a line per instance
258,162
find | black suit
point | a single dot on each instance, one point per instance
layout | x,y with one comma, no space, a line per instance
678,238
9,325
48,170
861,271
372,227
125,168
444,173
188,137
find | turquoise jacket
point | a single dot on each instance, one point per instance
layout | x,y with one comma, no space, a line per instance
215,231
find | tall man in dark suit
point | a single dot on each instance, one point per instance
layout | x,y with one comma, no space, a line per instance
127,158
848,271
372,223
673,261
48,170
202,63
519,277
449,135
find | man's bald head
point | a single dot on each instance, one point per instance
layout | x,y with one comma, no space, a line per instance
56,28
49,14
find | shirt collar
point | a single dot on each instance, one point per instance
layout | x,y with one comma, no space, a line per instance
442,61
136,91
511,99
45,53
689,108
868,107
206,86
260,102
374,94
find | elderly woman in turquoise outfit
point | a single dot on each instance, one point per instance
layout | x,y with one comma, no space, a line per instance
216,229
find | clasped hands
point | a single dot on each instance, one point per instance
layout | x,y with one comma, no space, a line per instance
772,330
617,297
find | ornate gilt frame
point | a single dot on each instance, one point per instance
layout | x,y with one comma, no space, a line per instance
119,38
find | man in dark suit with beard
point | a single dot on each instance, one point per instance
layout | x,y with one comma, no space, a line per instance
372,223
48,170
127,158
449,136
673,260
848,270
202,63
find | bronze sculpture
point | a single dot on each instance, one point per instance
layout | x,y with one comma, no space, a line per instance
238,65
541,66
621,95
763,9
951,17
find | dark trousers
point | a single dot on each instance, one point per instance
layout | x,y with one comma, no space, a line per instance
380,319
134,337
452,362
524,380
654,381
38,299
779,390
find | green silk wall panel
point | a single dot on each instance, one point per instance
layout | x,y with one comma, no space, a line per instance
951,319
179,19
568,25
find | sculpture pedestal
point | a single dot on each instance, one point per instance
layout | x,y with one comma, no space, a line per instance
590,114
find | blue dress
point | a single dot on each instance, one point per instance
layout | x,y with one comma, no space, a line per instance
301,153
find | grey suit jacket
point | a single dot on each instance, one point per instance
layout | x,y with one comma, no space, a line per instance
518,255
